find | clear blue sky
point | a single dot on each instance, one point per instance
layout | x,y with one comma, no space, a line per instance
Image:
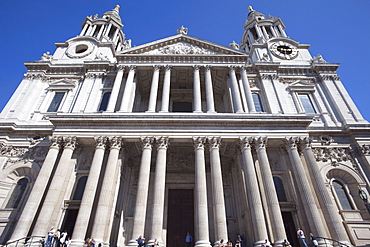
337,29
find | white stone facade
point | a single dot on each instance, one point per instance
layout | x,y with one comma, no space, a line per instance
111,142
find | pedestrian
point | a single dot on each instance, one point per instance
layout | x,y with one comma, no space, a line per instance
56,242
221,243
92,242
63,237
300,235
313,240
240,239
140,241
50,236
266,244
188,239
286,243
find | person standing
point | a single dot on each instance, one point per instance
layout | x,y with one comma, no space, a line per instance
63,237
50,237
300,234
140,241
188,240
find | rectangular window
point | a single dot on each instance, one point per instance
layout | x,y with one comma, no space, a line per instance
55,103
257,102
306,103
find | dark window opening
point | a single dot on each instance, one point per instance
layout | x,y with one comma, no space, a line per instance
280,189
80,188
269,32
17,193
182,107
104,102
81,48
257,102
306,103
111,32
254,33
342,196
55,103
96,32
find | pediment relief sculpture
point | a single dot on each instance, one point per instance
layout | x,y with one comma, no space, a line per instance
181,48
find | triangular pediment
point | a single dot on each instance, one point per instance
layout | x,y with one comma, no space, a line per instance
63,84
301,85
182,44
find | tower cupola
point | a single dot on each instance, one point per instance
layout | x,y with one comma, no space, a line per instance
259,29
107,28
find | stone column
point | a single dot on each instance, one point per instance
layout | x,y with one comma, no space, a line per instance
166,89
253,193
247,90
314,218
217,190
115,90
56,188
105,203
159,191
83,217
328,206
209,90
126,98
38,190
238,107
196,90
142,191
273,207
201,208
84,92
154,89
92,103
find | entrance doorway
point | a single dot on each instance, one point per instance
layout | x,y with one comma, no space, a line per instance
290,228
180,217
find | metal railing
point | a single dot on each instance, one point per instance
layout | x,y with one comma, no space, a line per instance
331,242
26,241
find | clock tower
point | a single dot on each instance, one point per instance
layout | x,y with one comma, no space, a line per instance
265,39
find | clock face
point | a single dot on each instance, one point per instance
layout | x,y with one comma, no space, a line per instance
284,50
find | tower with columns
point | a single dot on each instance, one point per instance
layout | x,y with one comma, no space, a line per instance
112,142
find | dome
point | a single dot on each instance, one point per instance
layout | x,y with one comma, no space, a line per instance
114,13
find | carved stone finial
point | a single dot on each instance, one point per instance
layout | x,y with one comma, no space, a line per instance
182,30
234,45
117,7
250,8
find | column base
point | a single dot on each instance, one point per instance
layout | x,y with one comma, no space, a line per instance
202,243
77,242
197,112
133,243
211,111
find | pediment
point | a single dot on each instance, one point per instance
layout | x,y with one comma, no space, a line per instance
182,44
300,85
63,84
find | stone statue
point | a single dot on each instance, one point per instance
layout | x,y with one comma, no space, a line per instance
46,56
182,30
234,45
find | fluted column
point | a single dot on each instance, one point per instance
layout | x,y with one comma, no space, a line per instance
253,193
273,206
159,191
154,89
209,90
115,90
105,203
166,89
328,206
314,218
196,90
217,189
247,90
38,190
238,107
87,201
200,197
142,191
56,187
126,98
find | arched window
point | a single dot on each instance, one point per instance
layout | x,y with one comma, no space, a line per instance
257,102
104,102
342,195
280,189
80,188
17,193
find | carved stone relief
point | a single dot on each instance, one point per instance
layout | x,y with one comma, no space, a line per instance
181,48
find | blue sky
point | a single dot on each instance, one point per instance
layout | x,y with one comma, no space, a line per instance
337,29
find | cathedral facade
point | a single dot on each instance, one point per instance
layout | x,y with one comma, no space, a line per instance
181,135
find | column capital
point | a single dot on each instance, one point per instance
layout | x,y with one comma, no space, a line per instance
156,67
196,67
121,67
55,141
232,67
260,142
245,142
208,67
199,142
115,142
100,141
305,143
162,142
291,142
147,142
70,142
168,67
214,142
243,68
